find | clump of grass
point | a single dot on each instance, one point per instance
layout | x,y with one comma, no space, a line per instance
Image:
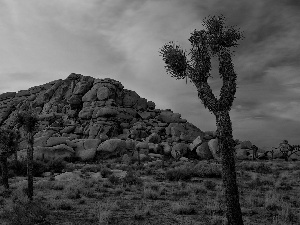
105,212
183,208
72,192
132,179
141,211
207,171
256,167
62,205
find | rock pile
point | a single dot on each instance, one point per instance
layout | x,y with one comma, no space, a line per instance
97,119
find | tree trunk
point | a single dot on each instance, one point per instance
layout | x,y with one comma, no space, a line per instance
4,171
30,166
226,147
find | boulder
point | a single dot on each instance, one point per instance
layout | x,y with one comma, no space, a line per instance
105,112
103,93
169,117
147,115
246,144
154,138
242,154
214,149
112,147
151,105
52,141
204,152
142,145
58,152
86,154
195,143
166,148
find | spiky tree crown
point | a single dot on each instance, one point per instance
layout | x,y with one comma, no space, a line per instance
8,140
28,120
205,43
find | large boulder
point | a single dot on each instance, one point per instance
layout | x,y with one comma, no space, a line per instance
246,144
170,117
196,143
58,152
166,148
85,149
154,138
204,152
214,149
242,154
52,141
111,147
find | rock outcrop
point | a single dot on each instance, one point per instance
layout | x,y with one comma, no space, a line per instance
90,118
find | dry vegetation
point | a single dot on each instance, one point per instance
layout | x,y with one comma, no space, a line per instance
180,193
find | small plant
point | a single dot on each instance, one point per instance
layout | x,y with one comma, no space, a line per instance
105,172
132,179
114,179
183,209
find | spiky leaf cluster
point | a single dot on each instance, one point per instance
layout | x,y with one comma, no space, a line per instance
28,120
8,141
175,59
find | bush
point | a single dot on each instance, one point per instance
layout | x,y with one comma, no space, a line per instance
105,172
181,173
56,166
131,178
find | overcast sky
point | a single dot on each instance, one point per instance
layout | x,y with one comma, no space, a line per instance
42,41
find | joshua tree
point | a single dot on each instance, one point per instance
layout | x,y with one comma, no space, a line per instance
8,146
28,120
216,41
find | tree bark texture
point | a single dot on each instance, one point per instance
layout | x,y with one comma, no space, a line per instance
4,172
30,165
226,148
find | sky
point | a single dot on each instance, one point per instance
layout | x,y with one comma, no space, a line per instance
42,41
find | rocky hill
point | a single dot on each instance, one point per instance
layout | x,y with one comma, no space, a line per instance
90,119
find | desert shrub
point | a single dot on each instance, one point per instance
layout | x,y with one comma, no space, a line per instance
26,213
105,172
207,171
183,209
72,192
19,167
56,166
180,173
210,185
114,179
132,179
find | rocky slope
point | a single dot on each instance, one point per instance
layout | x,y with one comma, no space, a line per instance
98,118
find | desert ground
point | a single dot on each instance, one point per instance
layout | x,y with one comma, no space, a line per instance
178,192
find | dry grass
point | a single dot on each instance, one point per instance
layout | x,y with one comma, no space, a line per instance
182,193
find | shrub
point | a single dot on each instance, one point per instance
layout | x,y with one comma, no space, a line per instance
105,172
114,179
131,179
56,166
183,209
181,173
